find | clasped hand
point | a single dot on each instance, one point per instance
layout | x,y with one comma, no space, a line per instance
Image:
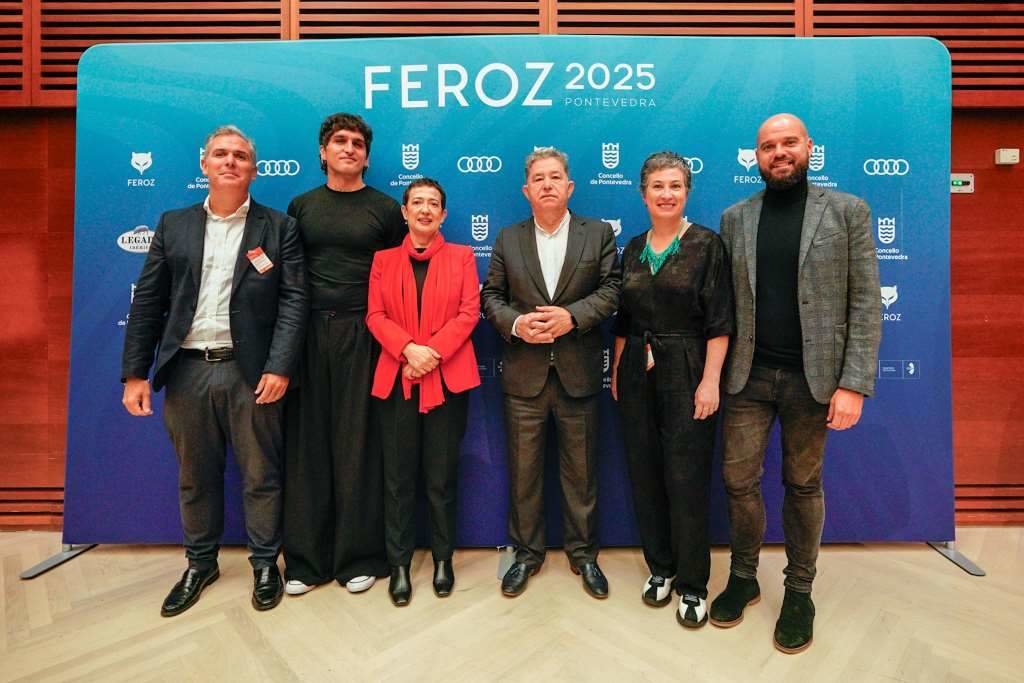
544,325
420,360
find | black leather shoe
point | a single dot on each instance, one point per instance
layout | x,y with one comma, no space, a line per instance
727,609
593,580
514,581
444,578
186,592
399,587
794,631
267,587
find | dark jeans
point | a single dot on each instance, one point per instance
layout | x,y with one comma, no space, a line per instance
207,406
412,440
526,421
746,422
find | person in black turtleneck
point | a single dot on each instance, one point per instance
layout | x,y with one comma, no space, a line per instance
808,321
333,494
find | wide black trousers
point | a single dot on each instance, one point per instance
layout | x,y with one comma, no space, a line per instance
414,440
669,458
333,497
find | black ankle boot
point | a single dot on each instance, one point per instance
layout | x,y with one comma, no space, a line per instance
444,578
399,586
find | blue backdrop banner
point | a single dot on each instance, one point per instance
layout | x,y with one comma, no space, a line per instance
467,111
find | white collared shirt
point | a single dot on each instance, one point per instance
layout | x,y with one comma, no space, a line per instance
551,247
211,326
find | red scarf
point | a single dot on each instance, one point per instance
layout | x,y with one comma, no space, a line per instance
420,323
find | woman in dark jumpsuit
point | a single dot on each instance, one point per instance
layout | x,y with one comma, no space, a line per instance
671,336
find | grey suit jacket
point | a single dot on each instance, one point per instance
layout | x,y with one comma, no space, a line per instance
837,290
588,287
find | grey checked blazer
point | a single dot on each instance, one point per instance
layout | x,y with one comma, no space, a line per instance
838,292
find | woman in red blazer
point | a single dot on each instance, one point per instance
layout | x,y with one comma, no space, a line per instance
424,303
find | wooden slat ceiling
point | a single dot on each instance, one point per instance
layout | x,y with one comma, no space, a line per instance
66,28
665,17
14,88
382,18
985,39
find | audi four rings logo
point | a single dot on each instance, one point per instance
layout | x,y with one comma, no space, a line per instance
277,167
696,164
886,166
479,164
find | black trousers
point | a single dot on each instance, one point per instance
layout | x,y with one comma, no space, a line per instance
206,407
333,502
669,459
576,423
413,440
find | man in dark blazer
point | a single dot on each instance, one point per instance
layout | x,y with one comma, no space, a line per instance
808,321
552,279
222,301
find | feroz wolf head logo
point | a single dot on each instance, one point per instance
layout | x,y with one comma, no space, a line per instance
889,295
746,157
478,226
610,155
410,157
886,229
142,161
817,160
616,224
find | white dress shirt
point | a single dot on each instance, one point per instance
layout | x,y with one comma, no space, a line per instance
211,326
551,248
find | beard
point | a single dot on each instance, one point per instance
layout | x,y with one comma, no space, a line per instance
795,177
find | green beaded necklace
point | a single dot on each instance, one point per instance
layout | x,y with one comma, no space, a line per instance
656,260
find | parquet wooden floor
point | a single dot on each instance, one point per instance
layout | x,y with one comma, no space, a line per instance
885,613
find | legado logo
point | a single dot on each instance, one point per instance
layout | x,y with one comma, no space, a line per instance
886,229
142,161
136,240
696,164
898,167
817,159
747,158
277,167
610,155
616,224
479,164
479,225
410,157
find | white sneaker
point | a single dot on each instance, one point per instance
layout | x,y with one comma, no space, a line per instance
693,611
295,587
359,584
657,591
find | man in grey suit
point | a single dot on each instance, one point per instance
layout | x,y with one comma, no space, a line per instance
808,320
553,279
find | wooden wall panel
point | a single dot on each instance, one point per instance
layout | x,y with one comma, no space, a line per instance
667,17
15,85
383,18
36,239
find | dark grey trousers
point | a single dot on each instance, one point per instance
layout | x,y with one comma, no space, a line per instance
576,423
747,419
207,407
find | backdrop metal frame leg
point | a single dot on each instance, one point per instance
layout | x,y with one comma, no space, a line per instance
68,552
948,550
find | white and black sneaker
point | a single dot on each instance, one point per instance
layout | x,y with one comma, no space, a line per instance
657,591
693,611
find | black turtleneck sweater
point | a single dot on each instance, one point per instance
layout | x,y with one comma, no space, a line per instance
778,339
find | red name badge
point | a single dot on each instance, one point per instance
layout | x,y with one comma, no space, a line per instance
259,260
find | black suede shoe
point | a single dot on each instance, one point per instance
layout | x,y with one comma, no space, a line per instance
794,631
727,608
186,592
267,588
399,588
594,581
514,581
444,578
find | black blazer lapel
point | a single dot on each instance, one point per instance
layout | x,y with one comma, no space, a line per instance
195,241
573,251
255,228
528,248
